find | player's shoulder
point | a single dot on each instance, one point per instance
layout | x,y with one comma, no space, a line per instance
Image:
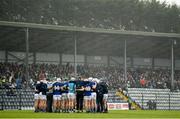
92,82
65,83
56,83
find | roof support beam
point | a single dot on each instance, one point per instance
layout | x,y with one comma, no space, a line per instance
27,54
90,30
125,60
75,55
172,64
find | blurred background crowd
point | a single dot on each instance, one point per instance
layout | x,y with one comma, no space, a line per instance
12,75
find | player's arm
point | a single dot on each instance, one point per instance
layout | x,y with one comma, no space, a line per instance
80,89
35,90
93,87
46,88
64,88
50,88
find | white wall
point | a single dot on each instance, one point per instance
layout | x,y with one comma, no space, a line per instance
47,58
114,60
80,59
143,61
97,60
162,62
70,58
120,60
177,64
54,58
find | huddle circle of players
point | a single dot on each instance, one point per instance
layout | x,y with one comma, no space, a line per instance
88,94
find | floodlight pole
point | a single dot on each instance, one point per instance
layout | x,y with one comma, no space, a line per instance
172,65
27,54
75,55
125,60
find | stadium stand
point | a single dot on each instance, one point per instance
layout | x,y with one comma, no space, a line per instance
132,104
114,98
163,99
13,75
17,96
22,99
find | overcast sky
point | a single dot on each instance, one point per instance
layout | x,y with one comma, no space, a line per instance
172,1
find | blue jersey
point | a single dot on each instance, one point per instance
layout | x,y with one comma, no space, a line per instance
72,87
65,87
57,88
88,89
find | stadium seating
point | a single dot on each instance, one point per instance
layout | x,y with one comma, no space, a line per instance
21,99
164,98
113,98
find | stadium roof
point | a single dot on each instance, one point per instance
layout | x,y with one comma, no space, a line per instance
90,41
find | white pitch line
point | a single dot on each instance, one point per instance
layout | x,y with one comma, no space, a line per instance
88,118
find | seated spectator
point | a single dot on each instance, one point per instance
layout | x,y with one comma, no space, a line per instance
113,75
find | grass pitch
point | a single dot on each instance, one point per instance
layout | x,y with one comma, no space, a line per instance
134,114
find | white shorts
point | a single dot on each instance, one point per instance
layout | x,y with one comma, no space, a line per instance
93,95
36,96
71,96
87,98
56,97
42,97
105,97
64,96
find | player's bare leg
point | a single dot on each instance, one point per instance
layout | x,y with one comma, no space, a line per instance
54,105
44,105
36,105
40,105
94,105
59,105
67,105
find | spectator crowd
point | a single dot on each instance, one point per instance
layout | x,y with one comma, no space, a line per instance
12,75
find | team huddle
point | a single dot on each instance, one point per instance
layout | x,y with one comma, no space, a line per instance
88,94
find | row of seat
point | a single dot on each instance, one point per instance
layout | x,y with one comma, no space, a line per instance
148,89
113,98
16,98
24,99
163,98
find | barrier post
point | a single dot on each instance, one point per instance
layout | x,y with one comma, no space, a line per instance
142,101
169,103
156,102
20,101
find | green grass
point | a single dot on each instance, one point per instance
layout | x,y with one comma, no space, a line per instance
112,114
